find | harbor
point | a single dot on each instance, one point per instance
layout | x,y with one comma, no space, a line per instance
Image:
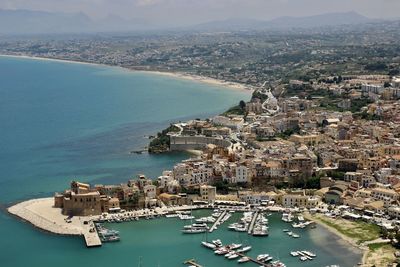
166,224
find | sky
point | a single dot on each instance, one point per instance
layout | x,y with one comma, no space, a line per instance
188,12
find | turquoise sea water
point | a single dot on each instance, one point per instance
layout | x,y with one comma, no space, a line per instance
62,121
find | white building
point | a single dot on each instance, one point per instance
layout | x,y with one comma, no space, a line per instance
243,174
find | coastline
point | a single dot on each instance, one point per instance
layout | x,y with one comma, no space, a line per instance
350,241
175,75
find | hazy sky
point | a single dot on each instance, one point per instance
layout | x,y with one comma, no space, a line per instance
195,11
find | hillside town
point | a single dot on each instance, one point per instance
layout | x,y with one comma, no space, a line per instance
286,151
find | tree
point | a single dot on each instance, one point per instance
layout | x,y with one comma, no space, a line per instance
242,104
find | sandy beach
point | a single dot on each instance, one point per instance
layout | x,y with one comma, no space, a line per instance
176,75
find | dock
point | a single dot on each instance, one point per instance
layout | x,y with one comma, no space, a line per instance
92,239
192,262
217,222
253,221
260,263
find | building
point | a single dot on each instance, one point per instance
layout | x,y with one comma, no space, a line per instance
80,200
243,174
208,193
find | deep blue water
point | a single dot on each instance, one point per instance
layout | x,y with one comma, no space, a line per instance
64,121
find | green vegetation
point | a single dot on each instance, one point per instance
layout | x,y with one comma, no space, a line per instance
239,109
286,134
337,175
376,66
161,142
358,230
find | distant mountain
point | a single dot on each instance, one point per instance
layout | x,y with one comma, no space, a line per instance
37,22
27,21
329,19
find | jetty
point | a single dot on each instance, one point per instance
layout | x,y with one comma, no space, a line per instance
253,221
217,222
192,262
260,263
91,236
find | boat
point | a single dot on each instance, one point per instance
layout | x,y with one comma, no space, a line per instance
308,253
194,230
269,258
217,242
295,235
294,253
285,230
243,259
289,233
230,253
244,249
196,225
233,256
208,245
287,217
234,246
262,257
221,251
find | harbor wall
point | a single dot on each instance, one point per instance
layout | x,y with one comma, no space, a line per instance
180,143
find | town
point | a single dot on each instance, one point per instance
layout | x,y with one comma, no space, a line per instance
335,157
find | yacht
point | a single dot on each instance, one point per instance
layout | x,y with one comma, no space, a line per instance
194,231
233,256
262,257
244,249
217,242
208,245
243,259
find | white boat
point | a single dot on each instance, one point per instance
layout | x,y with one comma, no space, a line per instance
234,246
243,259
287,217
262,257
269,258
194,231
221,251
295,235
233,256
244,249
208,245
217,242
294,253
230,253
308,253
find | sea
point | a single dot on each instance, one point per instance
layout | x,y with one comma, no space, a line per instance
62,121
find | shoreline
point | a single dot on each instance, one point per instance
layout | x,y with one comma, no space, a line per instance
172,74
350,241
